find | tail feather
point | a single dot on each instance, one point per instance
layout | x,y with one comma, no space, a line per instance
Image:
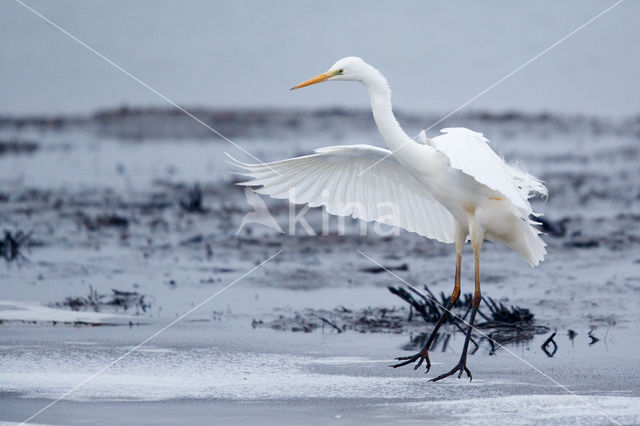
529,244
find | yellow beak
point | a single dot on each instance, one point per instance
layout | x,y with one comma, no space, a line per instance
317,79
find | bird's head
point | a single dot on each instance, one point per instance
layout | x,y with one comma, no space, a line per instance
351,68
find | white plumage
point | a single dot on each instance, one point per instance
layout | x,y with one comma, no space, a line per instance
451,188
342,179
469,152
369,183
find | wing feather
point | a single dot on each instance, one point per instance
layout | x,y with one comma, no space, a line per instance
341,179
470,152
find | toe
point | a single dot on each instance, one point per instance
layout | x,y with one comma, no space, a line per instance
419,363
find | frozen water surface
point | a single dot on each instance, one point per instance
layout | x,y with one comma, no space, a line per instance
231,369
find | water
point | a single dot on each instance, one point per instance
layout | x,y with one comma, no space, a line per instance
138,165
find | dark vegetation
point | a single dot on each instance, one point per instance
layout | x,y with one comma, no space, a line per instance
12,243
379,269
191,201
340,319
430,308
550,347
102,221
498,324
501,325
116,300
15,146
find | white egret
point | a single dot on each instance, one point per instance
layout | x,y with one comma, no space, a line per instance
451,188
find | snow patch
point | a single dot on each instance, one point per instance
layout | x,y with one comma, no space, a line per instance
35,312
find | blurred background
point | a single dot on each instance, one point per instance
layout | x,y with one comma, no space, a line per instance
436,55
116,208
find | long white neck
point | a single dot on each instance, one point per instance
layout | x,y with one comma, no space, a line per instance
380,96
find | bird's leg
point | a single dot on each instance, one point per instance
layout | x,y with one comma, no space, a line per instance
477,296
423,354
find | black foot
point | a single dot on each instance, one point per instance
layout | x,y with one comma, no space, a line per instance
461,367
421,357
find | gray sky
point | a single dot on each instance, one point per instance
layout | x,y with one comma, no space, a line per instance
436,54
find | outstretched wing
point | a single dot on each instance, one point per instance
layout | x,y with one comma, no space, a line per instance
341,179
469,152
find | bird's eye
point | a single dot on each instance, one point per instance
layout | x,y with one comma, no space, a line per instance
341,70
